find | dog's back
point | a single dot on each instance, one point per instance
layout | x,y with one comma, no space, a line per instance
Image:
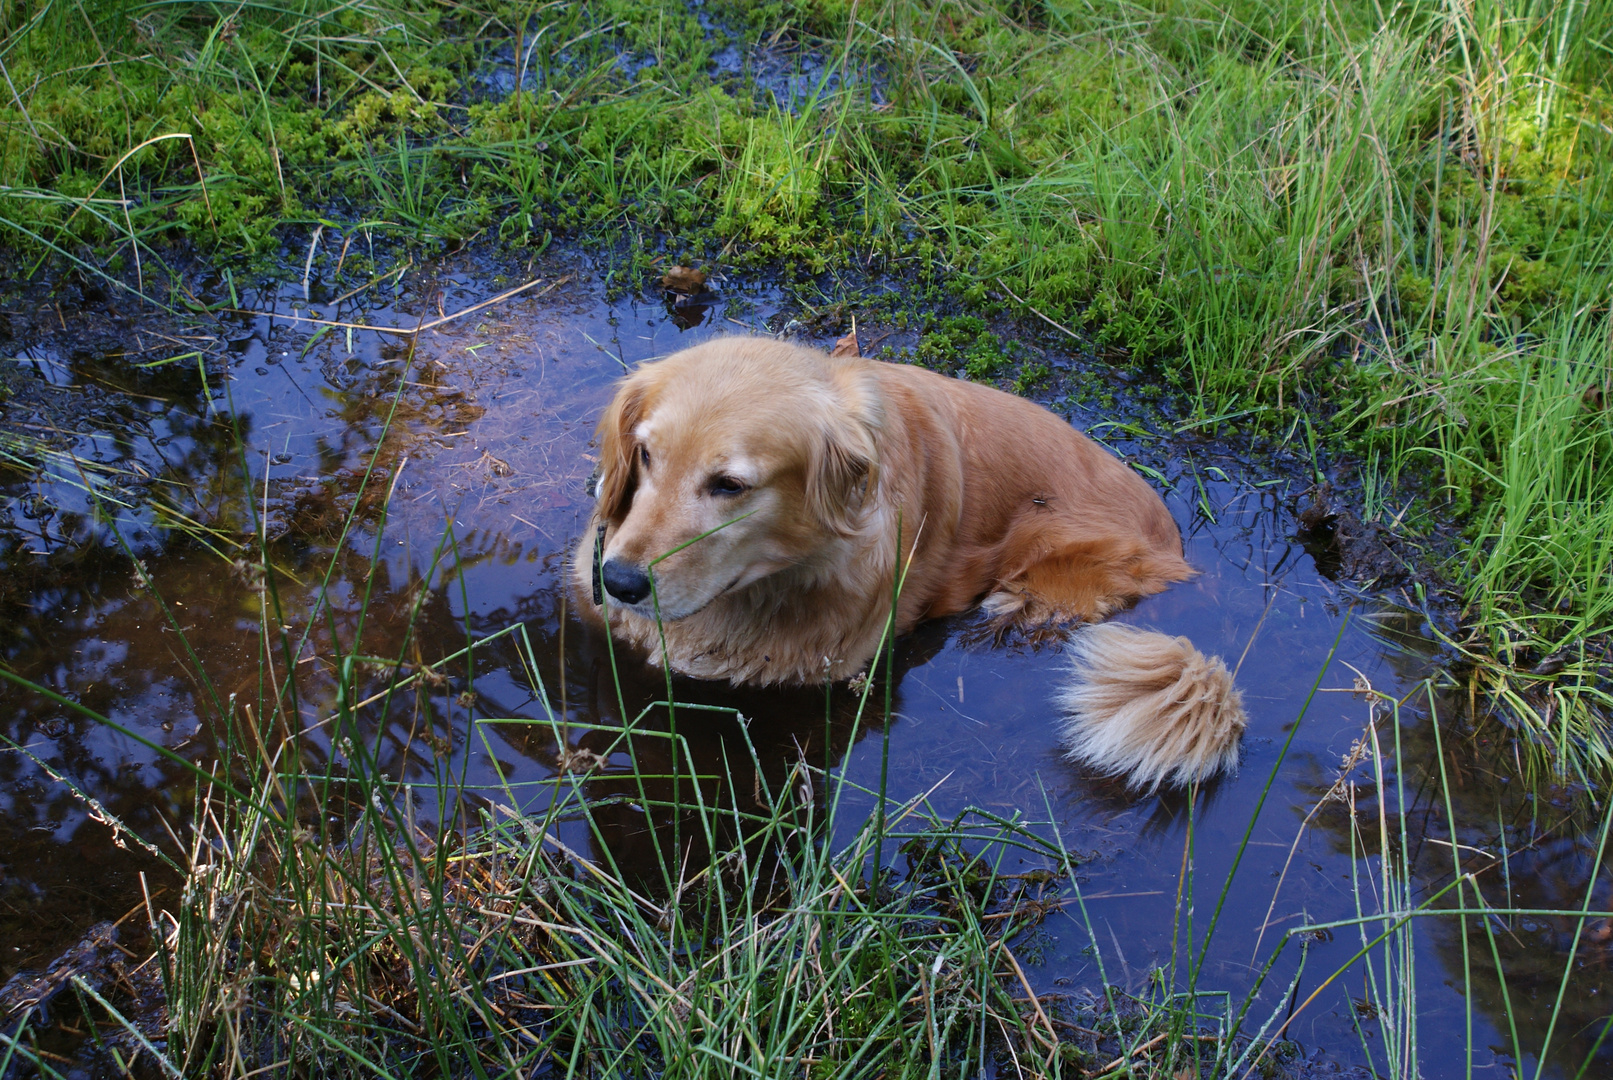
1050,528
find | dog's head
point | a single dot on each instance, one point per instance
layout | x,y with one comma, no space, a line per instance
727,463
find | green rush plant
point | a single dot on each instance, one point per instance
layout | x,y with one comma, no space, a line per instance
333,917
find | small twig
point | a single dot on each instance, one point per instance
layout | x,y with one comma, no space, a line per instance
21,107
81,203
1057,326
434,323
1035,1001
308,263
370,284
1150,1044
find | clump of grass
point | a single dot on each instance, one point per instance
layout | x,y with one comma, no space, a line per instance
1390,793
505,950
1538,577
127,125
333,917
322,924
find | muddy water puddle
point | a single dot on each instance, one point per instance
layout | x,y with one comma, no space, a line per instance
467,461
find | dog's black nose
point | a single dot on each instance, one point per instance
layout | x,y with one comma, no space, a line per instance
625,582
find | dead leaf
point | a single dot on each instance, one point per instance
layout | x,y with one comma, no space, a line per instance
684,279
579,759
1552,664
847,346
498,466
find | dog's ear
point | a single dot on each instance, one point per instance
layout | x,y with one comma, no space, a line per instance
843,469
618,449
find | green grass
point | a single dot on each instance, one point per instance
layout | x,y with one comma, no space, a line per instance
326,918
320,926
321,916
1389,228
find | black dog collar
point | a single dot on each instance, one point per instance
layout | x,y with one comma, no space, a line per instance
599,547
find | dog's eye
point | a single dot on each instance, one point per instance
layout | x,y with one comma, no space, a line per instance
726,485
644,455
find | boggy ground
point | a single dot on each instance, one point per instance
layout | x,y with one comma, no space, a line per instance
1337,277
324,532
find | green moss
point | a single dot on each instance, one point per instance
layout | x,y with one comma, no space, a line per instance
1030,377
962,344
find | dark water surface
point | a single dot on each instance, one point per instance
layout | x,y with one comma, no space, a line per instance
486,457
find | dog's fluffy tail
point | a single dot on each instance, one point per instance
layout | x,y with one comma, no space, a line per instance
1149,707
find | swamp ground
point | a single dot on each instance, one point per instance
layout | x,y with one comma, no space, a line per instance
283,591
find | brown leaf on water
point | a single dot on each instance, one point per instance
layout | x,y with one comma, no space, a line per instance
497,466
684,279
847,346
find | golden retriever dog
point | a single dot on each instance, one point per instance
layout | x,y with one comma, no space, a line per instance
759,504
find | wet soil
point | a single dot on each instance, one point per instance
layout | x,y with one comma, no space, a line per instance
477,443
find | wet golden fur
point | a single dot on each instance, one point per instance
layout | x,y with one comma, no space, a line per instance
801,474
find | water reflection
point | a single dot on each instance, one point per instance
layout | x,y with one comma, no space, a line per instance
476,444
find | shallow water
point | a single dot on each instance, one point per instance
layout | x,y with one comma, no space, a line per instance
486,456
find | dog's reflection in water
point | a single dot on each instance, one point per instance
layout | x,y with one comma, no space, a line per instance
652,809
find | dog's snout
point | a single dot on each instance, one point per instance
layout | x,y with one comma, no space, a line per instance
625,581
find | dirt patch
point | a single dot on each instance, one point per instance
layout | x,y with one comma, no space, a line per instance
1344,546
